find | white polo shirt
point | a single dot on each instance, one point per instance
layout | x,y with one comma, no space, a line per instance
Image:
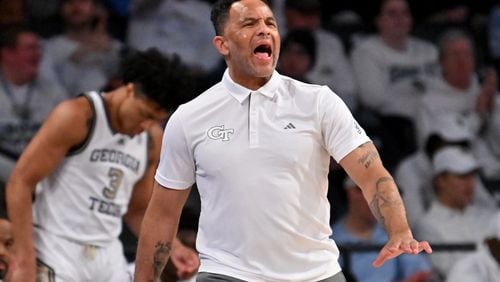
261,160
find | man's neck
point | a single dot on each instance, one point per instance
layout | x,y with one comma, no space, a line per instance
78,32
396,43
462,84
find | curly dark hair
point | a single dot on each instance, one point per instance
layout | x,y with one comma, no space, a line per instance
163,79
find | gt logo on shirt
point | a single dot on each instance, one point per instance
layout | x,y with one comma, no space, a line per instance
218,132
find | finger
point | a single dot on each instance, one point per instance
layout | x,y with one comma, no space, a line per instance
379,261
424,245
405,247
415,247
385,254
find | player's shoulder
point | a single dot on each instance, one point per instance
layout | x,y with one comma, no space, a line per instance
75,108
73,116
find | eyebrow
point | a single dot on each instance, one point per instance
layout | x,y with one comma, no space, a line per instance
252,19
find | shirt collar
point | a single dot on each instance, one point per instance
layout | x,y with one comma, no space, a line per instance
240,92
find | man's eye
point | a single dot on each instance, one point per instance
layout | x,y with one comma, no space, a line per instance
9,244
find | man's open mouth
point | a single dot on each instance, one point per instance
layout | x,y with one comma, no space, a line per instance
263,51
4,266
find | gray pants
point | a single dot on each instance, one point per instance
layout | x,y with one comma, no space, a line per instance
213,277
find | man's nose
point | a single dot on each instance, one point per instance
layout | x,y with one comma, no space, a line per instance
3,250
264,29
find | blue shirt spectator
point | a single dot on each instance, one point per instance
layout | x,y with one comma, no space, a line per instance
360,227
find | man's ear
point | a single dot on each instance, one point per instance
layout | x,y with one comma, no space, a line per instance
220,44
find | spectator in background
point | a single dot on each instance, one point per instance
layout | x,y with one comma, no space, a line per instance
27,94
457,91
85,56
298,54
452,216
332,67
487,149
414,173
483,265
392,69
175,26
360,227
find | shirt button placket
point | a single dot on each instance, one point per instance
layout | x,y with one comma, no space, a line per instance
253,118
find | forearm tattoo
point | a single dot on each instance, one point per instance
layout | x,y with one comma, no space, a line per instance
383,198
162,252
368,157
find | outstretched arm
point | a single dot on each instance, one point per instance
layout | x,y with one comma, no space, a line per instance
365,167
158,230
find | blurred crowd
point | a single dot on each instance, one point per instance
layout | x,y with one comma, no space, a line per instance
420,78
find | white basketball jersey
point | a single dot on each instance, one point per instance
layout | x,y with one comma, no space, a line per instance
84,199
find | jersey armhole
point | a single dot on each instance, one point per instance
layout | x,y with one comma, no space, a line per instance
80,147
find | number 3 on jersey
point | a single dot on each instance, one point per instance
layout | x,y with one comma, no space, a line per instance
115,179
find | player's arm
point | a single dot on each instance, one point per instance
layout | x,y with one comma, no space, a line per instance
66,127
159,228
365,167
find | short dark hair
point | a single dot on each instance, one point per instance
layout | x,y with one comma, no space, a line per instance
9,34
163,79
220,13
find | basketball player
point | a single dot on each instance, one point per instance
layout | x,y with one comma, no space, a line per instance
92,163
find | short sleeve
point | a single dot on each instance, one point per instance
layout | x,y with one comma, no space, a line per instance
341,132
176,168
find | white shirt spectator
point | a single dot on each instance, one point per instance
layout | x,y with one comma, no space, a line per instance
445,225
389,79
332,68
414,174
33,101
441,98
452,217
478,267
487,147
175,26
90,73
